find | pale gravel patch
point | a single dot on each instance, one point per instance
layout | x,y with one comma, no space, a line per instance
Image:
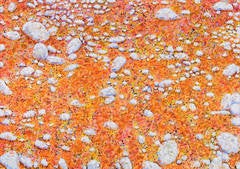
46,137
85,139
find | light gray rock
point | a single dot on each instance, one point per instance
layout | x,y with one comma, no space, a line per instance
73,45
40,51
36,31
166,14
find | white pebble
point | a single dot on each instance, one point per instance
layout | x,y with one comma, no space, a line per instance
148,113
40,51
46,137
12,7
125,163
29,114
166,14
27,71
40,144
71,67
118,63
8,136
10,160
12,35
222,6
73,45
107,92
65,116
231,70
2,47
62,163
26,161
93,164
110,125
4,89
168,152
44,162
90,132
54,60
117,39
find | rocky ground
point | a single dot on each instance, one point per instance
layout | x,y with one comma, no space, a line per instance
120,84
